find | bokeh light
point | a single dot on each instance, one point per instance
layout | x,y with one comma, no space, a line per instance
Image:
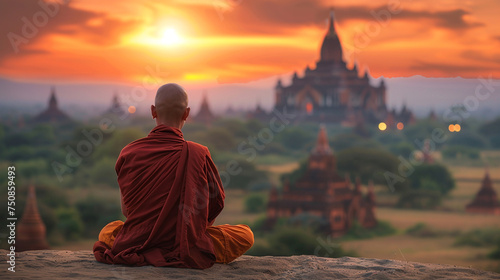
131,109
451,127
457,127
400,125
382,126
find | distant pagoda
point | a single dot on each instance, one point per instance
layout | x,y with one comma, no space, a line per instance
31,230
204,115
259,113
323,193
52,113
116,107
331,91
486,200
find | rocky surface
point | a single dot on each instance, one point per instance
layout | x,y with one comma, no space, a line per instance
53,264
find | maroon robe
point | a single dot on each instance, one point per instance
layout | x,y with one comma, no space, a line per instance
172,192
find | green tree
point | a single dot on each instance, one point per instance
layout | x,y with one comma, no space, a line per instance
242,175
434,177
288,241
69,223
255,203
113,146
96,212
370,164
103,172
468,139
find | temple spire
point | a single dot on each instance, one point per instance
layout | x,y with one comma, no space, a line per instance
331,49
486,200
205,115
52,99
322,145
31,230
331,26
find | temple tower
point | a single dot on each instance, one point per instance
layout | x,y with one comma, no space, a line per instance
31,230
486,200
52,113
204,114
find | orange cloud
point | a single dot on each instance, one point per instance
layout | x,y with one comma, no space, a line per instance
229,41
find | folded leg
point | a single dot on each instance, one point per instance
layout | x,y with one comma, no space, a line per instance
230,242
109,232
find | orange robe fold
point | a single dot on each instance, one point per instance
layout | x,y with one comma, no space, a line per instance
229,241
173,193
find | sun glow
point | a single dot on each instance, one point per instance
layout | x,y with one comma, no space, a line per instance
170,37
158,37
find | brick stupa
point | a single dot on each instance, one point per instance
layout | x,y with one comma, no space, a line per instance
31,230
204,115
486,200
322,193
52,114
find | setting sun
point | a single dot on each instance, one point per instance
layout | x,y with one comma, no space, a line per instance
170,37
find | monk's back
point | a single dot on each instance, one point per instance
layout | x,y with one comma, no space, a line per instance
171,194
146,171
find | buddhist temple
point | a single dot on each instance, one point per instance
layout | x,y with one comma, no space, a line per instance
432,116
258,113
52,113
330,91
204,115
31,230
323,193
405,116
486,200
116,107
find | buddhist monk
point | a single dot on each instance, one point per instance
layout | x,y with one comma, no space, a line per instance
171,194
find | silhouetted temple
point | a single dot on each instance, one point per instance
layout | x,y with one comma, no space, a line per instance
322,193
259,113
31,230
204,115
52,113
405,116
486,200
116,107
331,92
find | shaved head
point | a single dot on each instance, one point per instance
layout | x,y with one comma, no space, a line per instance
171,105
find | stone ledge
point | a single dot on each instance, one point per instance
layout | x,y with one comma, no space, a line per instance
53,264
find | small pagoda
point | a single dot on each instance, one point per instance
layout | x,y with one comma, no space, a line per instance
322,193
52,114
116,107
486,200
204,115
31,229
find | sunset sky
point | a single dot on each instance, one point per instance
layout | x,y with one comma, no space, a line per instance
229,41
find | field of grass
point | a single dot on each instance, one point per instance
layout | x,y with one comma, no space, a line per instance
405,218
438,250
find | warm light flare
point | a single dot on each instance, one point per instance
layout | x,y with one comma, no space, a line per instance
131,109
170,37
400,126
454,127
382,126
